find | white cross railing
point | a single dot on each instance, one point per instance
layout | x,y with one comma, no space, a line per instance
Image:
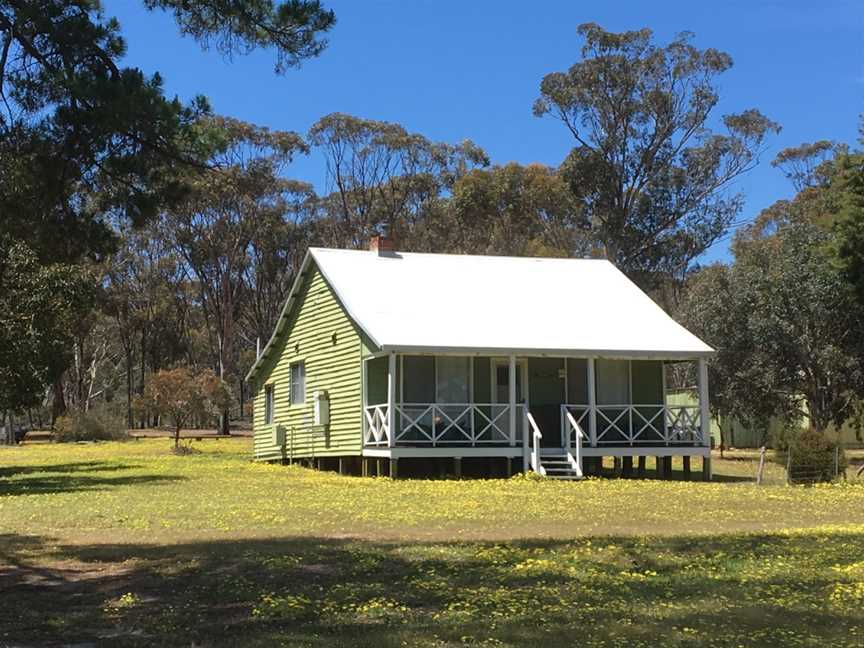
437,424
478,424
376,431
638,424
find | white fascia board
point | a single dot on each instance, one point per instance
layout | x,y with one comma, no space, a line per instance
560,353
289,302
344,303
285,310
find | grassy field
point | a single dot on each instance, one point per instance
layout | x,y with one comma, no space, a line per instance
125,544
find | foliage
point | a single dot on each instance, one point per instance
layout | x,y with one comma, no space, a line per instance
147,303
847,185
137,543
810,456
292,27
88,146
181,396
783,320
39,306
650,175
81,136
514,210
79,425
380,175
807,165
225,226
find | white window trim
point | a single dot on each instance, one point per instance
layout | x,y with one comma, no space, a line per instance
269,403
291,401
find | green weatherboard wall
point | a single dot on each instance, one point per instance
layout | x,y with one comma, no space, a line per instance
320,334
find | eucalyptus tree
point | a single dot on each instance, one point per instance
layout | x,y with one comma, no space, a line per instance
512,210
232,207
653,178
379,174
740,387
276,250
147,296
784,320
847,186
832,177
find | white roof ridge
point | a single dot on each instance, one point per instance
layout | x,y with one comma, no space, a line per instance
399,253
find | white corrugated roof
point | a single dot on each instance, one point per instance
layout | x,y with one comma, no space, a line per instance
446,302
413,300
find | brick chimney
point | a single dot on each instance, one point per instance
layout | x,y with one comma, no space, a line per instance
381,244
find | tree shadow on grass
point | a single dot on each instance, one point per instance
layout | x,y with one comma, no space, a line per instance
324,592
63,481
76,467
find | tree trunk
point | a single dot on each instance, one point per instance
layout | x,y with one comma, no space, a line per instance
58,403
130,421
721,428
242,411
226,347
144,415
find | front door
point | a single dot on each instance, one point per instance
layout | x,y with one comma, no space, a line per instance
501,387
547,379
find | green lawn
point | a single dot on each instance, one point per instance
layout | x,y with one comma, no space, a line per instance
128,545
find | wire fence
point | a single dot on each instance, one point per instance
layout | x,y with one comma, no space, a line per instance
771,467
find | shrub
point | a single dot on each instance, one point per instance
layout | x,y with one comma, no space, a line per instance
89,426
811,457
181,395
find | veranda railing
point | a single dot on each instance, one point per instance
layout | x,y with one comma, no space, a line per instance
441,424
636,424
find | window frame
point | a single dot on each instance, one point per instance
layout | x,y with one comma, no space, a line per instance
291,374
269,403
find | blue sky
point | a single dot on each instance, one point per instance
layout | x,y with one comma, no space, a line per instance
454,69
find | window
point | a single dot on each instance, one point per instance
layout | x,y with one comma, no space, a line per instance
613,382
453,380
444,379
298,383
268,405
418,384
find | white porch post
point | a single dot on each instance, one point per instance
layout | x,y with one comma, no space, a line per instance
391,400
704,414
364,399
511,398
592,403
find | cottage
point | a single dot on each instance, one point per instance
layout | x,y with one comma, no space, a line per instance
397,362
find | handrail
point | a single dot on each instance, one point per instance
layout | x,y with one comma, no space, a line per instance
536,435
575,462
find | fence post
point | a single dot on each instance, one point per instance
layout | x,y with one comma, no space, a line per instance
789,465
761,465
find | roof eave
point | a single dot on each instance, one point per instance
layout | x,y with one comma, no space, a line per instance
646,354
292,294
289,302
